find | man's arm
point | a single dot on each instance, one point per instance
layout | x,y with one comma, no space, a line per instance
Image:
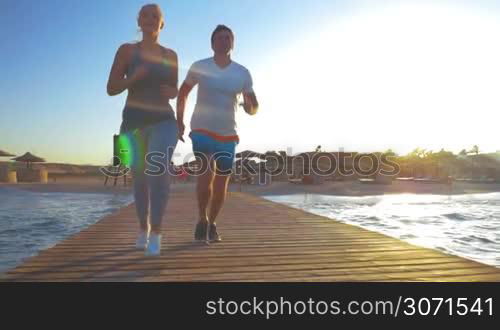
251,105
181,107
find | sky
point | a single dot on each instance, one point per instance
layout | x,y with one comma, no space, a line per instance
346,75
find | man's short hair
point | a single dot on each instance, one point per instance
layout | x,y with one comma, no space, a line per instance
220,28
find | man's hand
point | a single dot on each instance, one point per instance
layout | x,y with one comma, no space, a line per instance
181,105
250,104
181,128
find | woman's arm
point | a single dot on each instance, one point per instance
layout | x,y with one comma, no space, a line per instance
170,90
118,82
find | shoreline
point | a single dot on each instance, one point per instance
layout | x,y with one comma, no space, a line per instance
343,188
356,189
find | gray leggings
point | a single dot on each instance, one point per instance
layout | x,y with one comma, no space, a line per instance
152,186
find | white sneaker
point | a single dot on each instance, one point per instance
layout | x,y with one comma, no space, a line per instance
153,248
142,241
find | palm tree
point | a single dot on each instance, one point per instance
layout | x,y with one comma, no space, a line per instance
414,158
474,150
446,160
390,153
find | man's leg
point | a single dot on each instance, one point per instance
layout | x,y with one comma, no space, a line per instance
204,188
223,159
203,149
219,196
204,192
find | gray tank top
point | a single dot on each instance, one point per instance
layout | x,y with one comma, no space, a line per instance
145,105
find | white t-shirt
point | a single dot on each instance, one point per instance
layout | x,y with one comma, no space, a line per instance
218,89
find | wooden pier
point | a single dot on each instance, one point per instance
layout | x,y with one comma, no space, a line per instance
262,241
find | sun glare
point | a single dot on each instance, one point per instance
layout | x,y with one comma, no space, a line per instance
397,77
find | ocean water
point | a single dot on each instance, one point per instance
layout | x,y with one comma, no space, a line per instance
464,225
33,221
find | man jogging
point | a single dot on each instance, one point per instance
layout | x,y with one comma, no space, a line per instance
213,127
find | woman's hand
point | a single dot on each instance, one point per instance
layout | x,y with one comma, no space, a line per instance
140,73
168,92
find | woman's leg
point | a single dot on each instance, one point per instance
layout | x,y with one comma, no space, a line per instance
141,196
137,142
162,140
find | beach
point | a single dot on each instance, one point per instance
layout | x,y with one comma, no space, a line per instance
78,184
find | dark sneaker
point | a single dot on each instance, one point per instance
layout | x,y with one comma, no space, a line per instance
213,235
200,233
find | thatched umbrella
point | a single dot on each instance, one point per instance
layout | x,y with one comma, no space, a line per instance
5,154
29,158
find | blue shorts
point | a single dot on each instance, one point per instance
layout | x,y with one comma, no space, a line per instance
207,147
